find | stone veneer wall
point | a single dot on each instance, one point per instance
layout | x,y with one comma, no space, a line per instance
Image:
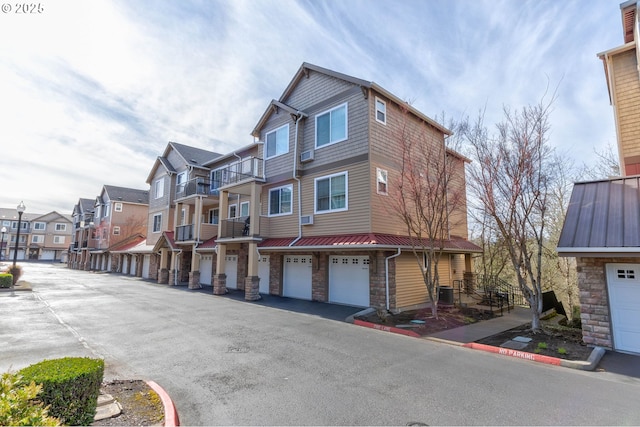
594,299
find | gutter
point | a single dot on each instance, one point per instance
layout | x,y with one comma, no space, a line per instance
299,115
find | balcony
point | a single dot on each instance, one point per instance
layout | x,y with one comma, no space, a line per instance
185,233
245,171
238,228
195,187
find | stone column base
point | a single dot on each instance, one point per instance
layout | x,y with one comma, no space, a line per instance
219,284
252,288
194,280
163,276
172,278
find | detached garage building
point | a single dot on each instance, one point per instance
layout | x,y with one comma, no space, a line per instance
602,230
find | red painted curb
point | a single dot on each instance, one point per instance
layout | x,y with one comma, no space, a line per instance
515,353
386,328
170,413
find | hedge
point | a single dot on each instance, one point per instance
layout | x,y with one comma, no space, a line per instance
70,386
6,280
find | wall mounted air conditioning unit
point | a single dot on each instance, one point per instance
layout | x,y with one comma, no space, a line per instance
306,220
306,156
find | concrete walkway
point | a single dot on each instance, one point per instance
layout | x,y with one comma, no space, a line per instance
476,331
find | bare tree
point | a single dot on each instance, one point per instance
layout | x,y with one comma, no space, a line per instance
607,165
511,177
429,197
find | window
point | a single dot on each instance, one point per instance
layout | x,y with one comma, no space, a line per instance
280,200
97,211
23,225
381,178
58,239
6,223
214,216
331,126
381,111
218,178
159,188
331,193
39,225
233,210
107,210
117,207
116,230
61,227
37,238
181,181
244,209
183,216
278,141
157,223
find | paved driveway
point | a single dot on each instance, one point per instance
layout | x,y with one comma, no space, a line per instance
227,362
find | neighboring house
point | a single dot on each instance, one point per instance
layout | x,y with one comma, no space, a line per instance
50,237
602,225
179,173
82,233
42,237
303,212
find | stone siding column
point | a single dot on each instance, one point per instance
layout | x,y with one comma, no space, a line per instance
220,284
252,288
194,280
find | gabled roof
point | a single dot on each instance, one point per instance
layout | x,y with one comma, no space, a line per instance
12,214
166,240
84,205
192,156
303,71
53,215
364,241
128,195
127,244
603,218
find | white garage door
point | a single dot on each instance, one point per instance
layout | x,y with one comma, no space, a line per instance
125,264
297,277
146,266
263,273
48,255
349,280
206,269
624,301
134,265
231,270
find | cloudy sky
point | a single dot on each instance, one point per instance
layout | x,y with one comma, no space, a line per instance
92,91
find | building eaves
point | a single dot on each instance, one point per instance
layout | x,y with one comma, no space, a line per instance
194,157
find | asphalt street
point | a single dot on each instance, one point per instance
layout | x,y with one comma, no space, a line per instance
226,362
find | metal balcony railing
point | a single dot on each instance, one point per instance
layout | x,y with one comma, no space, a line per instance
184,233
197,186
234,227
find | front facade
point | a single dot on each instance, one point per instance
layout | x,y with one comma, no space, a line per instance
602,225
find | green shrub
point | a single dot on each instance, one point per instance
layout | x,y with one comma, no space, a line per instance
542,345
6,280
18,404
16,271
70,386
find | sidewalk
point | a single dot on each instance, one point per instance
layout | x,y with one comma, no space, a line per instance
476,331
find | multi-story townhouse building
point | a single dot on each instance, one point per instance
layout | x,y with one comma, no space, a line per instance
602,223
180,172
50,237
42,237
303,212
82,240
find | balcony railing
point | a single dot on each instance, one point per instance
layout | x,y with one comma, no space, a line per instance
235,227
197,186
184,233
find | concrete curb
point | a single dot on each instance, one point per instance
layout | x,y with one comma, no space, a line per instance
588,365
386,328
171,418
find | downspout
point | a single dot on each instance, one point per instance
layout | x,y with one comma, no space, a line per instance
295,162
386,274
175,270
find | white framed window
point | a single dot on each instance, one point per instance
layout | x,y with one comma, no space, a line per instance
23,225
6,223
280,200
244,209
233,211
39,225
59,240
214,216
159,188
181,181
331,193
37,238
331,126
61,227
157,223
117,207
219,177
277,141
381,111
381,181
107,210
183,216
97,211
116,230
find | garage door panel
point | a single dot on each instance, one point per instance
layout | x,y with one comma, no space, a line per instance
263,273
349,280
297,277
206,269
624,302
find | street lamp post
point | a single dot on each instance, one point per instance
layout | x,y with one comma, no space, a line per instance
21,208
4,230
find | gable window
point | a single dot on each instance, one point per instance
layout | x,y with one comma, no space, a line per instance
61,227
117,207
181,180
331,126
233,211
278,141
157,223
116,230
331,193
159,188
280,200
214,216
381,111
244,209
39,225
58,239
381,179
